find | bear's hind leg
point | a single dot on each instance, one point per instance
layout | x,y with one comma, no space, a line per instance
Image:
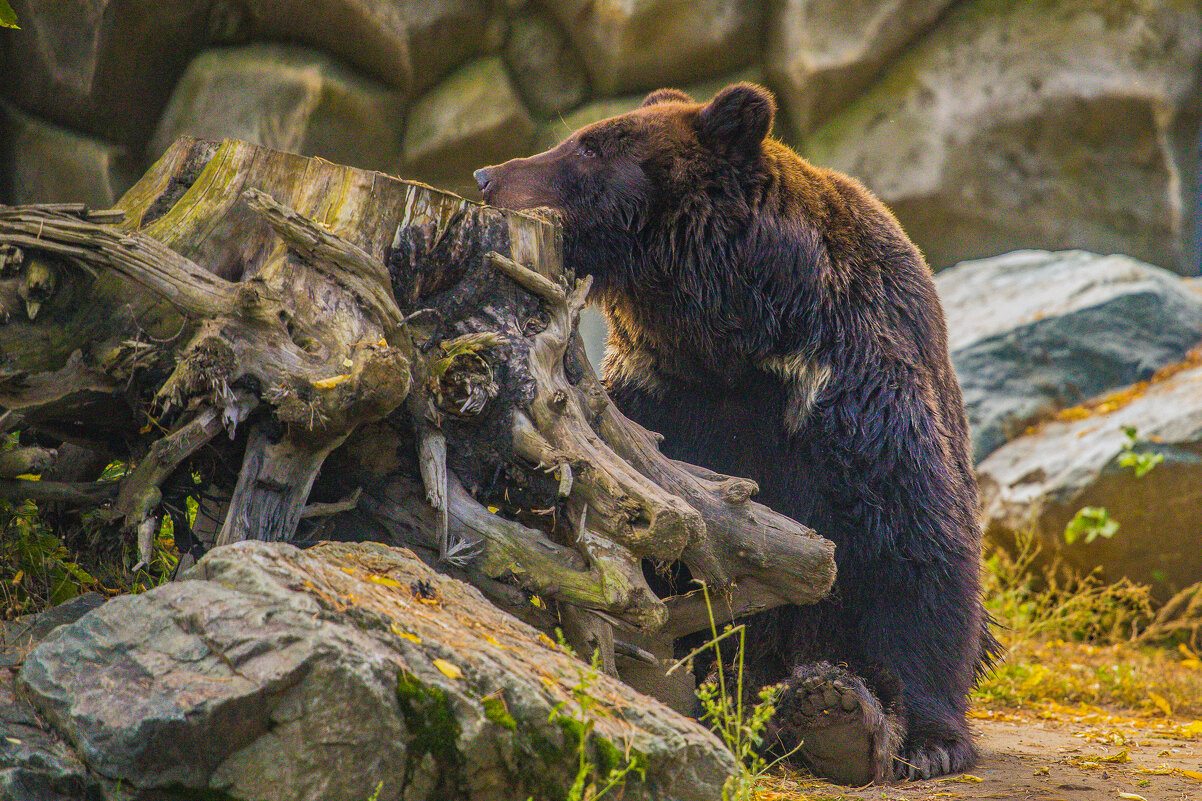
827,718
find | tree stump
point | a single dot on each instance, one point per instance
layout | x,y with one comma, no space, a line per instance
320,352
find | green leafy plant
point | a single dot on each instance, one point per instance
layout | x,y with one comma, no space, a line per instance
1089,523
1141,463
36,569
8,17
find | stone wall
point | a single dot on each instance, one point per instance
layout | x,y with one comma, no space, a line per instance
988,125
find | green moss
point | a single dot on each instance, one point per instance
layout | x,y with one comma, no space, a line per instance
433,730
496,711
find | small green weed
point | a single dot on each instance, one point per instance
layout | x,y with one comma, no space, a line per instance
739,727
1091,522
1141,463
600,767
36,569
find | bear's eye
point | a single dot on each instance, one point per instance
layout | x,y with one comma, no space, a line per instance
588,150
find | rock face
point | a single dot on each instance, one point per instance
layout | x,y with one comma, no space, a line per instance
286,97
338,673
36,764
1038,482
43,163
822,53
632,45
544,66
472,118
104,67
988,126
406,44
1034,332
1061,125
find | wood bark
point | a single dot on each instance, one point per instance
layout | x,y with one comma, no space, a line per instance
337,353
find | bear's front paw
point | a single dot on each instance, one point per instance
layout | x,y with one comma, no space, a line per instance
828,719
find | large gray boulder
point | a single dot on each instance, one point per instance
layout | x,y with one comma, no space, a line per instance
822,53
406,44
1033,332
633,45
546,70
36,764
289,98
344,672
41,162
1049,125
102,67
1033,486
472,118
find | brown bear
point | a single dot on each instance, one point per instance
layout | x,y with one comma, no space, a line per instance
771,320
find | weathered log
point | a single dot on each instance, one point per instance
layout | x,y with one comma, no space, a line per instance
389,361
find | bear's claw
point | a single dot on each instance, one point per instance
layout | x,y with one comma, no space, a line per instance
827,717
931,760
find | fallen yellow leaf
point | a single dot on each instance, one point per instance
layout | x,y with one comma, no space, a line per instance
1119,758
331,382
964,778
1192,774
1160,770
1132,796
1192,729
447,669
387,582
398,631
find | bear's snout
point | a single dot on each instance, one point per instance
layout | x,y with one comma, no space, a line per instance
482,178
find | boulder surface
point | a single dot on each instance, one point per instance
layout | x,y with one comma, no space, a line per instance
1033,332
343,672
1035,124
1034,485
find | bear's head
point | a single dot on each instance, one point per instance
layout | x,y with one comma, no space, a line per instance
643,188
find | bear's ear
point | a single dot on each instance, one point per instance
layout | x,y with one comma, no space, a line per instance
666,96
737,120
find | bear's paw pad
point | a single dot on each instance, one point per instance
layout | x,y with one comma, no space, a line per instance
827,717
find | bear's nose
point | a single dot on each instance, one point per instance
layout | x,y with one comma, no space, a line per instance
482,179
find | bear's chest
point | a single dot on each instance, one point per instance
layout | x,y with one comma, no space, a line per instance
735,430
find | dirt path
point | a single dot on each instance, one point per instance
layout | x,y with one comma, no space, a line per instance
1045,760
1080,755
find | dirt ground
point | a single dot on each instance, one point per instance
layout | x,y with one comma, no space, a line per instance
1059,754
